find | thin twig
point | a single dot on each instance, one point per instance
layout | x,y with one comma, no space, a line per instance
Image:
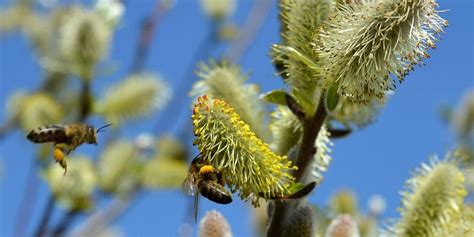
176,106
100,219
6,127
240,45
65,223
85,100
84,111
250,29
52,83
27,202
42,225
311,128
148,28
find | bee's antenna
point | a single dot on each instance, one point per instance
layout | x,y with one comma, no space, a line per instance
107,125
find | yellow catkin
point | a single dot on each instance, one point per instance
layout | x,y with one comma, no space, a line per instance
247,163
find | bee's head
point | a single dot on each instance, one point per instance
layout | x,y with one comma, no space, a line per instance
92,139
91,136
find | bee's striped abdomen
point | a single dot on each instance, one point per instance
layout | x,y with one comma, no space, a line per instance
214,192
49,133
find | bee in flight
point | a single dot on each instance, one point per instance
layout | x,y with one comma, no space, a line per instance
207,181
65,138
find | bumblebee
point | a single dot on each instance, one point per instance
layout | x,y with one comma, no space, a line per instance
207,181
65,138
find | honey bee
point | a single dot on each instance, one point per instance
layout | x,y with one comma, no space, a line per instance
65,138
207,181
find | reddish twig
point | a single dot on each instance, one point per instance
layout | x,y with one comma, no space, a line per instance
148,28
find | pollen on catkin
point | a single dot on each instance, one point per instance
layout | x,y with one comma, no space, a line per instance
226,81
228,144
433,204
364,44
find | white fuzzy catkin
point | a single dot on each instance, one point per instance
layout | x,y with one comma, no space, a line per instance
136,96
214,224
343,226
218,9
84,38
363,45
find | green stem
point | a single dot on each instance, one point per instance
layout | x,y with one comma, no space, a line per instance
311,128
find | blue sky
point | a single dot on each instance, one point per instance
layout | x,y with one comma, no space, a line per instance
375,160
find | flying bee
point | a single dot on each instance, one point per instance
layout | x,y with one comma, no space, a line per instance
207,181
65,138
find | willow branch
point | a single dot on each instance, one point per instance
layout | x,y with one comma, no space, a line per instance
311,128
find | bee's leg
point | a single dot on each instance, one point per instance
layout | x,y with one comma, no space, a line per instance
196,159
69,148
220,180
63,164
59,156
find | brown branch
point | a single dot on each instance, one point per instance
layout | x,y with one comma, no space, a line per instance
100,219
311,128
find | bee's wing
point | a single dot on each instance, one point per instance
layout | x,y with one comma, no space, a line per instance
50,133
188,187
196,205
